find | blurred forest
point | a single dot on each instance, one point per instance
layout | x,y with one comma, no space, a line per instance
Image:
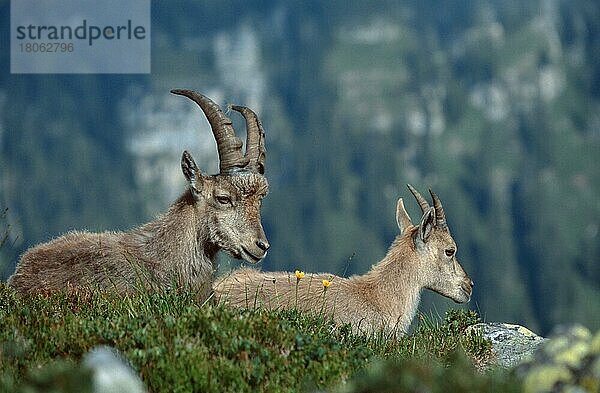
494,104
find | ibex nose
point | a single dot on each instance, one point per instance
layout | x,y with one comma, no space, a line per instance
263,245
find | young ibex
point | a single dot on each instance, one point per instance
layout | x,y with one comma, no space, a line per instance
384,299
219,212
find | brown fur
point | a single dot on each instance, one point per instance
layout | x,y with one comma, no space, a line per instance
220,212
383,299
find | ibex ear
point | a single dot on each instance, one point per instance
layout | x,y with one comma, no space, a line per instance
402,217
191,172
426,225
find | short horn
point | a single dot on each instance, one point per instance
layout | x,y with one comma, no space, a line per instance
255,139
228,145
440,216
422,202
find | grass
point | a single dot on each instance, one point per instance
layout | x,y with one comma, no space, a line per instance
177,345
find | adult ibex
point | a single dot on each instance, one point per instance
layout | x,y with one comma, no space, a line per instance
219,212
384,299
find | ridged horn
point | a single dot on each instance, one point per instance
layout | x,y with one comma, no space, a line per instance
228,145
422,201
255,139
440,216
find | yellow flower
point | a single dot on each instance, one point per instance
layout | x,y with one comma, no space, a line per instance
326,283
299,274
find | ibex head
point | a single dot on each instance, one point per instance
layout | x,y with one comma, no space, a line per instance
230,201
435,249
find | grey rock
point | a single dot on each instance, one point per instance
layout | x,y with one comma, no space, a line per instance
511,344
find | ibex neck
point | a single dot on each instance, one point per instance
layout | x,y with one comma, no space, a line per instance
396,282
177,236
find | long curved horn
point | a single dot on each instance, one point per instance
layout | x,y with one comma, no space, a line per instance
422,202
228,145
255,139
440,216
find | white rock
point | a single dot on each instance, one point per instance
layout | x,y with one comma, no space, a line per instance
111,372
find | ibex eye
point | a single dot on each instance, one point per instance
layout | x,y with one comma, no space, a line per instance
223,200
449,252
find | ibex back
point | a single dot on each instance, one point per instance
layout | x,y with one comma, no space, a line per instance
385,298
218,212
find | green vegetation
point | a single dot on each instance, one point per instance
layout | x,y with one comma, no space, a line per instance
178,346
418,375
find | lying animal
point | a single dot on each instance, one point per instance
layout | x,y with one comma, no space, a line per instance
385,298
219,212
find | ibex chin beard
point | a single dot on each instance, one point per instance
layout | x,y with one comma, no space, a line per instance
466,290
250,257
